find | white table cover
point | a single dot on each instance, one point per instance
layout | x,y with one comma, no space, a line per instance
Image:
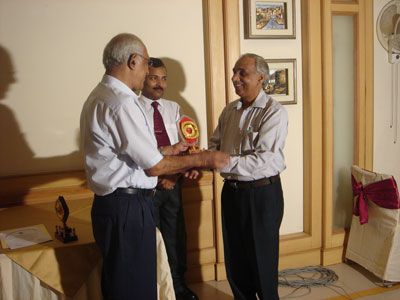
16,283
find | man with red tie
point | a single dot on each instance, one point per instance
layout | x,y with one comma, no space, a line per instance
163,116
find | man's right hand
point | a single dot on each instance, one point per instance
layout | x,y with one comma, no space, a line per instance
179,164
175,149
214,159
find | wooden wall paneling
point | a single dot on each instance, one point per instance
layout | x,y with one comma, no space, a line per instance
199,223
198,206
369,83
334,240
359,57
327,109
32,189
312,116
231,43
216,100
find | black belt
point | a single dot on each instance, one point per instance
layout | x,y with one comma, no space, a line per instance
134,191
236,184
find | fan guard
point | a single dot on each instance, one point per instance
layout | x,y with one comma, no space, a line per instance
388,29
388,32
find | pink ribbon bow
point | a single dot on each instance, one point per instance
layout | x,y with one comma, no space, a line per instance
383,193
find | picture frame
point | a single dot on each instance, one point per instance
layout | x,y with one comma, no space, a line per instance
282,84
269,19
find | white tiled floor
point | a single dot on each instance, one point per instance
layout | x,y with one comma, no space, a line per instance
354,282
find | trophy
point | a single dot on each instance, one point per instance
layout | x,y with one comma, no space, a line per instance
64,233
189,132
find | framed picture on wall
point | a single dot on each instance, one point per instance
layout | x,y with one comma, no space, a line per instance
269,19
282,80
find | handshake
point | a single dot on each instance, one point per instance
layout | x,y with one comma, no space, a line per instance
186,159
205,159
180,148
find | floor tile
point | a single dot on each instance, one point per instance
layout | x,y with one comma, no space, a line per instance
354,282
354,277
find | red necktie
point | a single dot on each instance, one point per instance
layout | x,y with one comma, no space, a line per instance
159,127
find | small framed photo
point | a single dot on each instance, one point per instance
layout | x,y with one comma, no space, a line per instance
282,80
269,19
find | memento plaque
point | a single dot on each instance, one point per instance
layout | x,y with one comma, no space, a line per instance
64,233
190,132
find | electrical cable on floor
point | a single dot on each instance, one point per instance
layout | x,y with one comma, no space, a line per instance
320,276
308,277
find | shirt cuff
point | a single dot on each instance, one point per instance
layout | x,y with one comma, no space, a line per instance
153,161
233,160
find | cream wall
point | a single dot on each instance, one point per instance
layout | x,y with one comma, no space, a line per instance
50,54
386,152
292,177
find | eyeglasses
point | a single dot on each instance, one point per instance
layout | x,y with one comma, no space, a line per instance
147,59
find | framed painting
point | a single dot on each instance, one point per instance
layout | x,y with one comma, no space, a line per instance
269,19
282,80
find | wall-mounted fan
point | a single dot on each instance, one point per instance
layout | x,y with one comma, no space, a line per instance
388,31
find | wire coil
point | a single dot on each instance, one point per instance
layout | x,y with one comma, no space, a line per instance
308,277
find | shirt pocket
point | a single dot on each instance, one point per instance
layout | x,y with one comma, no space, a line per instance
172,131
249,141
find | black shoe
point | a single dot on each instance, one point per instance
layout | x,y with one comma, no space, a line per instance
185,294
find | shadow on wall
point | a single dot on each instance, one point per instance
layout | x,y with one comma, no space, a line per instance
343,204
16,157
176,85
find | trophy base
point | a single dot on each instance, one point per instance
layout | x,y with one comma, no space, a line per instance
65,234
194,149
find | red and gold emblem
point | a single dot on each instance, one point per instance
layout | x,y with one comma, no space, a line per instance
189,132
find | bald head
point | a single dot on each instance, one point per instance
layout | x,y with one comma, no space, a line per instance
120,48
261,66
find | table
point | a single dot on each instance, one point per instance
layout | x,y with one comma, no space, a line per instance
54,270
16,283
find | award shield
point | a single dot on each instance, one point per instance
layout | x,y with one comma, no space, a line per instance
64,233
189,132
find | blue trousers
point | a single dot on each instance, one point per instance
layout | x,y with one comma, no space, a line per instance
124,230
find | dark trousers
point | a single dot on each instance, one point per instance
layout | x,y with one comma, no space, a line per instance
170,220
124,229
251,219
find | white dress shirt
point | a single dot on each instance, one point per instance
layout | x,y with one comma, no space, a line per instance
170,112
117,140
254,137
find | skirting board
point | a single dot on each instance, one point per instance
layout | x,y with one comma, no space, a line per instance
200,273
332,256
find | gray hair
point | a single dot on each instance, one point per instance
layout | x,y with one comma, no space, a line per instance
120,48
261,66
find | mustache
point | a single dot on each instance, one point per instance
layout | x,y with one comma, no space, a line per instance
158,88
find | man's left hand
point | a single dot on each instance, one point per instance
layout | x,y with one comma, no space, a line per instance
167,182
176,149
192,174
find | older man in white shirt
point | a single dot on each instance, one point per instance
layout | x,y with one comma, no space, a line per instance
121,163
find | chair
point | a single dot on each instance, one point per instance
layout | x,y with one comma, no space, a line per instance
375,244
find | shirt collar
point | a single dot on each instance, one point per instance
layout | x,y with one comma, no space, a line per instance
260,101
147,101
118,84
